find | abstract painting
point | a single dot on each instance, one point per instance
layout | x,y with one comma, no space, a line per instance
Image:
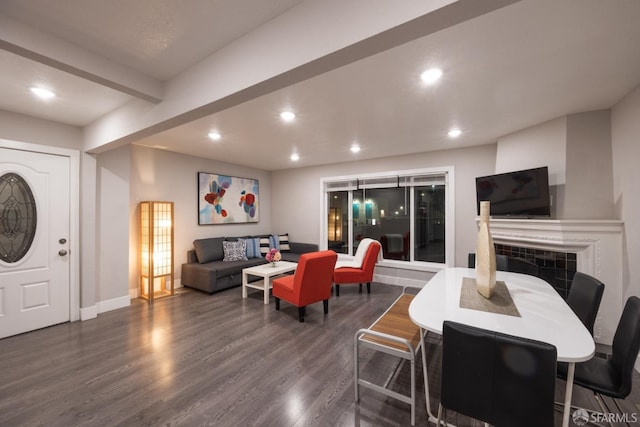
224,199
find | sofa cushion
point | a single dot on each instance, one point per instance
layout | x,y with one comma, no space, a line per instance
220,269
208,250
234,251
290,256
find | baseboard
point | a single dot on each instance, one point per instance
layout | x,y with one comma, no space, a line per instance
135,293
113,304
398,281
88,313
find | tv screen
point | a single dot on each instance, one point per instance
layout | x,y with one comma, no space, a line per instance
519,193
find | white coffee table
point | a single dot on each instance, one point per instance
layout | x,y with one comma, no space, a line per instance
267,272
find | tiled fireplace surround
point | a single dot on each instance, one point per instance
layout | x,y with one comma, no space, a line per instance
561,247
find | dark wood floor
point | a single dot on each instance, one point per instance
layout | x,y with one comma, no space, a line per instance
218,360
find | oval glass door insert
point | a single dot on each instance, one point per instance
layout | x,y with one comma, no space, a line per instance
18,217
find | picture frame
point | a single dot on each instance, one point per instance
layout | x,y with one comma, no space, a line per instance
224,199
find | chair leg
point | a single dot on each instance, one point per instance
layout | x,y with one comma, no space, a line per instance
559,406
439,413
277,303
360,287
368,287
337,290
301,313
618,408
325,304
602,406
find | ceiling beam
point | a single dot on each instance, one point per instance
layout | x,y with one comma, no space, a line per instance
35,45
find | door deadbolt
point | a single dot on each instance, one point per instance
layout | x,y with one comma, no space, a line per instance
62,252
62,241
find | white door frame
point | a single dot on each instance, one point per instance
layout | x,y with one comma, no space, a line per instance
74,211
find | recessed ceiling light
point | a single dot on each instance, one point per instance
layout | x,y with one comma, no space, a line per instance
355,148
215,135
42,93
287,116
295,157
431,76
454,133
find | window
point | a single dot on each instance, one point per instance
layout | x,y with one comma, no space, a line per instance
18,218
406,211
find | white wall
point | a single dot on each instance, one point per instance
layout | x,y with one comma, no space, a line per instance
625,138
166,176
297,193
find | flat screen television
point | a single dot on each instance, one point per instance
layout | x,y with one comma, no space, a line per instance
520,193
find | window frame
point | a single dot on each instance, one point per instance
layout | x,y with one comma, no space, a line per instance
333,183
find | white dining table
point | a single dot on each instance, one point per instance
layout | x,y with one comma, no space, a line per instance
544,316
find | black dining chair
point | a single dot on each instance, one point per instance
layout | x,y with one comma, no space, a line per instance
584,298
613,376
501,261
521,265
497,378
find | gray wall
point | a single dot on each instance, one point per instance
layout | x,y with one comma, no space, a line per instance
23,128
112,220
577,150
625,131
589,166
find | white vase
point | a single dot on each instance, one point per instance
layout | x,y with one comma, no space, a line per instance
485,255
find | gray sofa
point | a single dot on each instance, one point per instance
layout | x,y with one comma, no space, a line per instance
205,269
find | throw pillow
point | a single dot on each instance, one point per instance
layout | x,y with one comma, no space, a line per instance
264,246
274,243
284,243
234,251
253,247
208,250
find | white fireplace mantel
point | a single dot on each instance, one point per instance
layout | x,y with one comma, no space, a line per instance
598,248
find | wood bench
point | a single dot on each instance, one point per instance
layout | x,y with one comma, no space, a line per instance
393,333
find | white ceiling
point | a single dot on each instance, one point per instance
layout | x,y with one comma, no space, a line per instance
510,69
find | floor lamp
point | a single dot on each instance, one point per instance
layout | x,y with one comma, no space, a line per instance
156,250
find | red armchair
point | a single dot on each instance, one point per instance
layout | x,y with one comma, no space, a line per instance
360,270
310,283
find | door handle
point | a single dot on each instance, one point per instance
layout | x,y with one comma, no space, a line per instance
62,252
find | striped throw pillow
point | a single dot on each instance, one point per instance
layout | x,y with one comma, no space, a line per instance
284,243
273,242
253,247
264,245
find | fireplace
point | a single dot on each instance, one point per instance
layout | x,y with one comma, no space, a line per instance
562,247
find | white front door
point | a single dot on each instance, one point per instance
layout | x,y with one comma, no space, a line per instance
34,240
